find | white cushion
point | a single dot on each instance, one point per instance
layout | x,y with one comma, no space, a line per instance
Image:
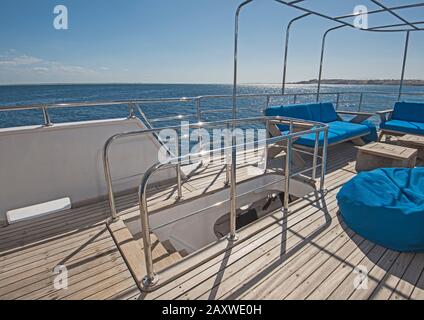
38,210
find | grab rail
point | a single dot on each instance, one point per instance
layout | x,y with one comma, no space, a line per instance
111,140
151,280
134,104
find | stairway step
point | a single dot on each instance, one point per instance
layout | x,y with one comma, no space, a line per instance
159,252
130,249
162,257
168,261
169,246
183,253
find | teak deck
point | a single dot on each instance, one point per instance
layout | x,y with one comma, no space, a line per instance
309,254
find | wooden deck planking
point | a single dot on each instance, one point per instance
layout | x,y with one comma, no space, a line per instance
237,252
288,273
345,288
251,262
418,291
326,272
409,280
313,279
29,251
91,262
308,254
388,284
321,289
197,280
333,180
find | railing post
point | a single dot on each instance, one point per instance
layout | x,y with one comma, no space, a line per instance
178,171
315,161
151,279
199,120
106,167
233,195
338,101
267,135
295,99
233,185
227,170
405,58
361,100
288,170
321,64
46,117
268,101
286,50
198,110
131,112
324,161
267,127
227,160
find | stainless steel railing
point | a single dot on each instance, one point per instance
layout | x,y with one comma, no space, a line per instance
152,279
131,104
199,109
111,140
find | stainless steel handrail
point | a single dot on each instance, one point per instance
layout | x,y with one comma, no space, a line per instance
92,104
405,58
286,49
152,279
134,104
228,200
111,140
321,64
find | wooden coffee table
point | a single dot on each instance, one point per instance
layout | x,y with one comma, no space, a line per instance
415,142
382,155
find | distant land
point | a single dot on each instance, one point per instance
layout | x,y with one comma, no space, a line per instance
364,82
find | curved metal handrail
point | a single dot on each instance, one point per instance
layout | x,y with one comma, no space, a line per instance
286,49
324,38
111,140
151,281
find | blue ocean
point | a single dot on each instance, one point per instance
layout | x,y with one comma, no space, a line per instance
375,98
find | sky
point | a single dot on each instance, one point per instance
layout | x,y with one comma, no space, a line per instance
191,41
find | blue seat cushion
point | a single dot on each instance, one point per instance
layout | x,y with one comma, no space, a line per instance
404,126
328,113
409,111
319,112
291,111
386,206
338,131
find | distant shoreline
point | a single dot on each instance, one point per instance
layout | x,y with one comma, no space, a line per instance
377,82
364,82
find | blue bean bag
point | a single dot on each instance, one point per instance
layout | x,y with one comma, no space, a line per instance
386,206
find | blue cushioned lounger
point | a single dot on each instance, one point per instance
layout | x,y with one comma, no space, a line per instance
386,206
338,131
406,117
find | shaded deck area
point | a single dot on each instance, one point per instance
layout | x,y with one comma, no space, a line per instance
308,254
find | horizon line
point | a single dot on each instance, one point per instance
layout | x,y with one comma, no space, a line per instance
302,82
